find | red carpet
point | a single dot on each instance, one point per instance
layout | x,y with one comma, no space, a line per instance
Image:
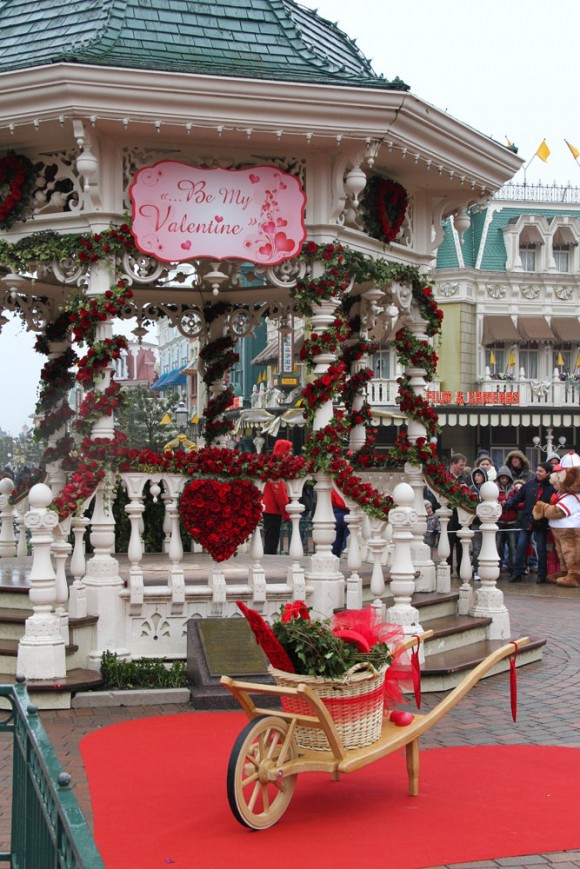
158,788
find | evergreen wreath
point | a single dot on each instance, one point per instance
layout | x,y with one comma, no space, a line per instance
383,207
18,175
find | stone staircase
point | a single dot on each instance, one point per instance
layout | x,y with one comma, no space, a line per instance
458,643
14,611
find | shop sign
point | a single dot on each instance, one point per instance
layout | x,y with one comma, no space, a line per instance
472,398
181,212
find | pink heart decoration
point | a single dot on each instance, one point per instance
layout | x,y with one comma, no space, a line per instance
220,515
186,245
269,228
218,219
283,243
281,222
265,250
254,178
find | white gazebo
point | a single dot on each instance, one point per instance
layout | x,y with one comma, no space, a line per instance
89,117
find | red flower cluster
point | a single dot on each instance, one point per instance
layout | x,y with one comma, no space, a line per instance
17,172
220,515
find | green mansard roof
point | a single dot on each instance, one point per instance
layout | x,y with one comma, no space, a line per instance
266,39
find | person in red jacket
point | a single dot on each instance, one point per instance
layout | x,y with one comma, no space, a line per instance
340,510
275,500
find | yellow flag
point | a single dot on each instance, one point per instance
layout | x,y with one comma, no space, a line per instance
166,420
195,419
509,141
512,359
543,151
491,357
578,360
574,151
560,359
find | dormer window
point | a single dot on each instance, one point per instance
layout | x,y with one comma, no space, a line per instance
528,256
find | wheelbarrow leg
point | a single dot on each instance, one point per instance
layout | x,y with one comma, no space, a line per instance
412,752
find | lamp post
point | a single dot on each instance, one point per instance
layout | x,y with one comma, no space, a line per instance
181,417
548,447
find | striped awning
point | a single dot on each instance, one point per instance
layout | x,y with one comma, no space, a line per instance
526,417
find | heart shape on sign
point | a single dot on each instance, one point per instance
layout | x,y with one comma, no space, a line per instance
220,515
254,178
186,245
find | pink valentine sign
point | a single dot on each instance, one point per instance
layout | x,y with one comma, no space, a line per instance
181,212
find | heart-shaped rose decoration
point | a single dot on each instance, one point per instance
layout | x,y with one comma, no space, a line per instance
220,515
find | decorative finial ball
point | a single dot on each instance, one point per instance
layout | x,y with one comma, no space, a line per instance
39,496
403,495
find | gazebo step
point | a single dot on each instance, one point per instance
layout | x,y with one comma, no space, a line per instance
57,693
444,670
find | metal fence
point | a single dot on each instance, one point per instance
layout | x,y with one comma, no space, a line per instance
553,193
48,829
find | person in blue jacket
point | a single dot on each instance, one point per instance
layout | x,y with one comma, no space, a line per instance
538,488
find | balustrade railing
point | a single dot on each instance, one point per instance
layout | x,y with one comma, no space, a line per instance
548,392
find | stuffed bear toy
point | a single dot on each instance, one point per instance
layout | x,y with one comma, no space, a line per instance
564,518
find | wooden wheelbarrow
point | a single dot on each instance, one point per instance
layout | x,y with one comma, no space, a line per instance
266,758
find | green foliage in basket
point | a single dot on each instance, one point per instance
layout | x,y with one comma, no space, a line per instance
315,650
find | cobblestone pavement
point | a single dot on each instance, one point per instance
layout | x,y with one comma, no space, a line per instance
548,708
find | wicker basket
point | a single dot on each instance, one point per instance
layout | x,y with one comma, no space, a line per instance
355,704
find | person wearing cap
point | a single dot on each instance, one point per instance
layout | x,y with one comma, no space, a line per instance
563,515
275,500
537,489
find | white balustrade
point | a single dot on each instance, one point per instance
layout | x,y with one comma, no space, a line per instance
402,518
354,587
465,535
444,514
295,576
489,600
41,651
77,605
7,536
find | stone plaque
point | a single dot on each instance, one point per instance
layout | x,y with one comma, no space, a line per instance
230,648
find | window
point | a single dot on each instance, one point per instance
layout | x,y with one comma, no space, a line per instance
528,257
495,359
528,360
382,364
561,257
562,359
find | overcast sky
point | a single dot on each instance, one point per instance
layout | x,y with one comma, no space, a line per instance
503,67
506,68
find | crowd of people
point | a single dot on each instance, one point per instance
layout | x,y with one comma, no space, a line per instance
526,537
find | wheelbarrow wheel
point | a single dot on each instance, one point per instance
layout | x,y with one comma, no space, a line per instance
257,799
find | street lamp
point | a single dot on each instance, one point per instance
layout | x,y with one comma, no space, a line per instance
548,447
181,416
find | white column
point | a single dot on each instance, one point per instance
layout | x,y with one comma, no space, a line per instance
402,519
41,651
465,535
443,549
56,477
102,580
322,572
7,536
489,599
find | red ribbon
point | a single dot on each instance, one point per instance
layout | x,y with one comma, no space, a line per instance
514,684
416,671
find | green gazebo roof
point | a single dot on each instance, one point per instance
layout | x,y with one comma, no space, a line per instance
266,39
